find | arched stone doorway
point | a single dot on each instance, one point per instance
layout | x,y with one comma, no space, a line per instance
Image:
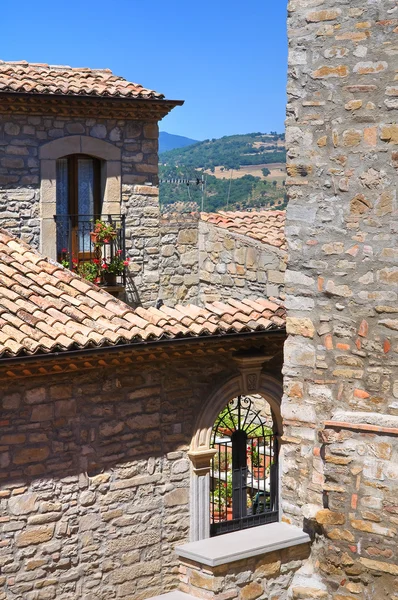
250,381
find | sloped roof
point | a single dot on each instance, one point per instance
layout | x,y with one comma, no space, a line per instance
46,308
36,78
267,226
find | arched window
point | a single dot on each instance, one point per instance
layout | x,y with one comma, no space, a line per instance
244,469
78,202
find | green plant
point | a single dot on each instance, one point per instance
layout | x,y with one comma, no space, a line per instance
227,421
104,232
222,461
89,271
222,493
66,261
256,458
65,258
219,496
115,265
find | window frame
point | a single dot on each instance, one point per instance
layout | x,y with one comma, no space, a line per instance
73,184
111,164
73,197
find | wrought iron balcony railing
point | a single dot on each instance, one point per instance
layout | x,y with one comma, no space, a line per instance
97,258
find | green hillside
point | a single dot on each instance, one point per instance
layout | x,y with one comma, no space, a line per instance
226,165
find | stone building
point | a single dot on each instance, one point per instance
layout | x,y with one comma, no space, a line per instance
81,142
107,414
76,144
207,257
340,374
107,444
108,411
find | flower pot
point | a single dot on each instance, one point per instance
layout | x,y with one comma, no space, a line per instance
109,278
258,472
225,431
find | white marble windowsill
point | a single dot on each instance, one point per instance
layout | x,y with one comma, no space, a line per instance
243,544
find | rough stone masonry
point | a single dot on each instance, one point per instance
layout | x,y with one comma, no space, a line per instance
341,369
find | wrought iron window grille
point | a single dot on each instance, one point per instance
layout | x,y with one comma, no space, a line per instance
75,241
244,471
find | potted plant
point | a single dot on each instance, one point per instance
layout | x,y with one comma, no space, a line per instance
113,267
89,271
104,232
65,258
222,461
219,504
257,461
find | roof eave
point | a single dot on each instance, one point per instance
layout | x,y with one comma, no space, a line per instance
34,103
93,97
143,344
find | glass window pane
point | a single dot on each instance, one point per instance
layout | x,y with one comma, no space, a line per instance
85,174
62,204
85,201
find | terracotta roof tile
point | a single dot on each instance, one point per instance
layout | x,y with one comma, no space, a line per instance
267,226
32,78
40,313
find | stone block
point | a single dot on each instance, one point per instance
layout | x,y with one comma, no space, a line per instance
177,497
251,591
300,326
30,455
34,535
188,236
299,354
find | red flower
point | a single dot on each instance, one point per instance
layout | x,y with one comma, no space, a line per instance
118,252
75,261
125,262
96,261
64,250
105,266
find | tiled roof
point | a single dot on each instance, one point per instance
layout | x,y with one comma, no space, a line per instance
35,78
267,226
46,308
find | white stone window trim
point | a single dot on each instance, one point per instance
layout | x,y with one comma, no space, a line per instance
251,380
49,153
240,545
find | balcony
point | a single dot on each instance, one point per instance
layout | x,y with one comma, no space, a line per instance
94,247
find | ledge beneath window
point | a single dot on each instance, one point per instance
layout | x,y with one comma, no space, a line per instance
240,545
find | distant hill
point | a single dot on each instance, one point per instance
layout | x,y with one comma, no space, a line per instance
169,141
243,171
231,152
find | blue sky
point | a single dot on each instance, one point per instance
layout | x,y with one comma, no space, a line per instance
225,58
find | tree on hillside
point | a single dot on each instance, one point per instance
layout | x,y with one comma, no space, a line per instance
265,172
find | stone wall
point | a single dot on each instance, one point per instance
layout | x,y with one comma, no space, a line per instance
95,480
237,266
264,576
21,138
201,263
179,268
341,288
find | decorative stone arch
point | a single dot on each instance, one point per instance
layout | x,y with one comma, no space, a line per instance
75,144
250,381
